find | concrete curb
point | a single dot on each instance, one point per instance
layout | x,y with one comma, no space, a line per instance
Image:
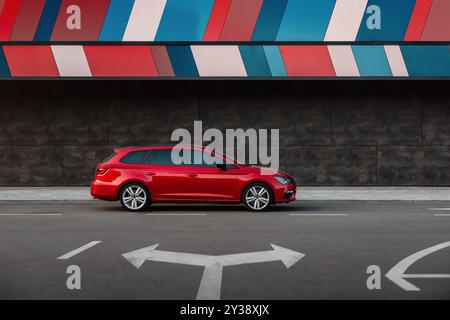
304,195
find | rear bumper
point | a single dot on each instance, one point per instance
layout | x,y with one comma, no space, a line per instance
103,191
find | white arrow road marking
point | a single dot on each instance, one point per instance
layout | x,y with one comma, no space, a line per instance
78,250
212,276
211,283
397,273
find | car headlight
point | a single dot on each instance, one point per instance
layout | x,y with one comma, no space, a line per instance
282,180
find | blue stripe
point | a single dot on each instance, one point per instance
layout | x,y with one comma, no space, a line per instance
183,62
184,20
4,69
275,61
255,61
427,61
269,20
306,20
116,20
372,61
48,20
395,17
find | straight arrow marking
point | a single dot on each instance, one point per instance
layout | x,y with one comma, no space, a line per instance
397,273
211,283
212,276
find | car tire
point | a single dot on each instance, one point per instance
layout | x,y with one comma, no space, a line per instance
257,197
134,197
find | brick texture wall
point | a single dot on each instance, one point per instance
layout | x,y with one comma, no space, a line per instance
332,133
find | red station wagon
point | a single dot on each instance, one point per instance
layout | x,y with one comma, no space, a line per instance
141,176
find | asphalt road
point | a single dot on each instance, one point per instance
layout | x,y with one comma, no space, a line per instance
339,242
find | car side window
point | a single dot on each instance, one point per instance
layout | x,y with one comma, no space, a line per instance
160,157
209,160
134,157
197,159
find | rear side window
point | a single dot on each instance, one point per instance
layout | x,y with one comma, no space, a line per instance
134,157
160,157
108,158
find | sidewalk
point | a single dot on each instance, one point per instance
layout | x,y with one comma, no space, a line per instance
409,194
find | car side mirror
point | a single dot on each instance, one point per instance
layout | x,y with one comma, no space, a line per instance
222,166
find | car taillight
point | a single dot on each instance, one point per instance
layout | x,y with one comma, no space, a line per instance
101,171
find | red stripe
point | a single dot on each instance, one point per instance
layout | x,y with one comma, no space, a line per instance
162,61
8,18
27,20
216,20
117,61
418,20
93,14
241,20
31,61
437,27
307,61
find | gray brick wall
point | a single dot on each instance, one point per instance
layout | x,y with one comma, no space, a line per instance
361,133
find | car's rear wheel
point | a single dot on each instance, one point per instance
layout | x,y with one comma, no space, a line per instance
135,197
257,197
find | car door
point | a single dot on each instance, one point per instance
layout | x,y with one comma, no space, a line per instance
206,182
165,180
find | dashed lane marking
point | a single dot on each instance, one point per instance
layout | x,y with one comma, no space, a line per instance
30,214
318,214
175,214
72,253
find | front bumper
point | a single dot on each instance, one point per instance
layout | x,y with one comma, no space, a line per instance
286,193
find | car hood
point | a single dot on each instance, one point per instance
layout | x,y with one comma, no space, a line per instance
265,171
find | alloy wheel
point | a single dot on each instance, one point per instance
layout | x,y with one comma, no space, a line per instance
134,197
257,198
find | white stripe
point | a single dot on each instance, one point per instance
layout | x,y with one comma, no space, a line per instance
441,214
78,250
144,20
175,214
219,61
344,61
319,214
30,214
439,209
71,61
345,21
395,58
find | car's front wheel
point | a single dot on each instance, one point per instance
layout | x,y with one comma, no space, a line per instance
257,197
135,197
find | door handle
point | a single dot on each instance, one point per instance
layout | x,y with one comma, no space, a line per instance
150,174
191,175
